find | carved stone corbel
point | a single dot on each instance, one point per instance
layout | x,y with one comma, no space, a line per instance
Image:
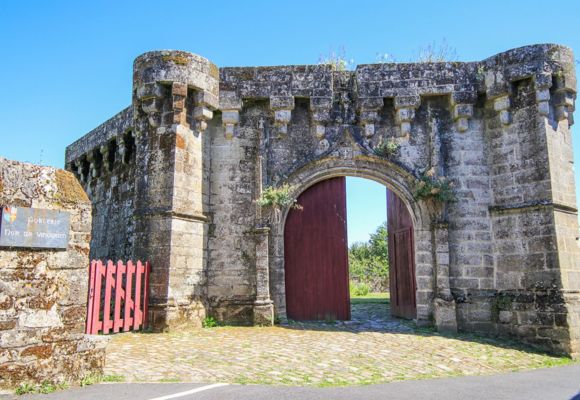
150,97
205,103
369,109
502,105
230,104
320,109
282,107
462,108
405,107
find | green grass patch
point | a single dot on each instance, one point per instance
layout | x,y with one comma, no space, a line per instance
170,380
43,388
113,378
371,298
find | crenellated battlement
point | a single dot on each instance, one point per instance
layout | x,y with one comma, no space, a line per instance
175,87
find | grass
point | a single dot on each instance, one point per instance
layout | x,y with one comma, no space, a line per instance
371,298
43,388
50,387
170,380
93,379
113,378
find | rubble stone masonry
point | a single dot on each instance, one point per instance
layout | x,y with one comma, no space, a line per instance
43,292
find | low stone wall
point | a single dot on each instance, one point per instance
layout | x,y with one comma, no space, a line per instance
43,293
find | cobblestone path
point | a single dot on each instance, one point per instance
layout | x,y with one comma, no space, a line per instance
372,348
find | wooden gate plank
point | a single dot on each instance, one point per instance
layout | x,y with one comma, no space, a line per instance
119,296
109,285
97,325
401,258
91,297
137,314
316,254
129,299
146,294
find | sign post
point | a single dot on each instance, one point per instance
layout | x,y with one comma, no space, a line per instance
34,228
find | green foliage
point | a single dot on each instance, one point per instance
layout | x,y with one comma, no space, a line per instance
387,149
44,388
170,380
369,261
25,388
429,186
209,322
278,197
91,379
113,378
359,289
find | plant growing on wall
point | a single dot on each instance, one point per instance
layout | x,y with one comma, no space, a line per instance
339,61
278,198
387,149
430,186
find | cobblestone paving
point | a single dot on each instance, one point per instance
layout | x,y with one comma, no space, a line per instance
372,348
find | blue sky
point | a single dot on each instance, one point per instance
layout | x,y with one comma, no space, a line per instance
66,65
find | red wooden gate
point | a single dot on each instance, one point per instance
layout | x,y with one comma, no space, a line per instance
316,254
401,258
118,296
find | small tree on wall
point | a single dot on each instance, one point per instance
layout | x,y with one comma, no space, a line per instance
431,186
277,198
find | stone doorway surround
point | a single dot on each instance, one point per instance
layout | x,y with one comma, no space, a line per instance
429,260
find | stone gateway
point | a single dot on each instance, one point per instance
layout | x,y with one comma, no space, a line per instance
175,178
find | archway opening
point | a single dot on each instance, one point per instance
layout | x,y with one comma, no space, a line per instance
331,270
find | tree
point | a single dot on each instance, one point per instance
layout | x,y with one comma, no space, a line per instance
369,261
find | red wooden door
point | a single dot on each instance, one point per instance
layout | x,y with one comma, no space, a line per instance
401,258
316,254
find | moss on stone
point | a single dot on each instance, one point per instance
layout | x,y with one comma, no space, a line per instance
179,60
69,190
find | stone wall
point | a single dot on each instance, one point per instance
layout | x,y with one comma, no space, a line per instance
501,259
107,174
43,293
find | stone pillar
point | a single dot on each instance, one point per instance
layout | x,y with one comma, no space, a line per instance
444,304
174,95
263,306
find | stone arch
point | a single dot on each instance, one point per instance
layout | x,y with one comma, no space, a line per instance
392,177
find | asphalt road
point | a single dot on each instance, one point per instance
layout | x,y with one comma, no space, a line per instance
545,384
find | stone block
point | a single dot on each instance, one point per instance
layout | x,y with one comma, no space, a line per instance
445,316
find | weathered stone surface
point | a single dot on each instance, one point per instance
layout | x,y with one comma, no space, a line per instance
498,129
43,293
